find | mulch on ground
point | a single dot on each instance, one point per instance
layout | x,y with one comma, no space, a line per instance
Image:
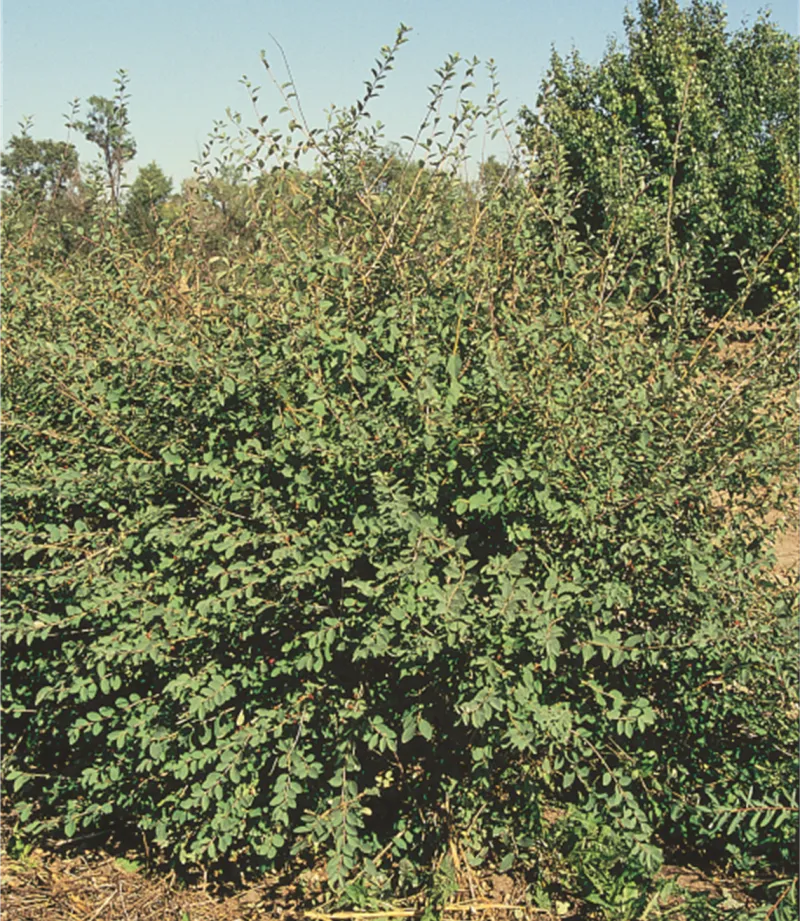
44,887
41,886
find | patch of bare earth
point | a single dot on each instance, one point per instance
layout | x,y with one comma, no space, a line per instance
787,544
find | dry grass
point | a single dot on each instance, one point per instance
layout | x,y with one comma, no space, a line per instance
42,886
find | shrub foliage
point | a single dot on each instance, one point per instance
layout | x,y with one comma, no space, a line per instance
389,525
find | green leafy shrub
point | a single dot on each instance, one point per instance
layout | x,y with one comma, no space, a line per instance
685,143
407,528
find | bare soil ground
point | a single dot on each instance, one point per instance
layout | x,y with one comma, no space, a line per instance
787,546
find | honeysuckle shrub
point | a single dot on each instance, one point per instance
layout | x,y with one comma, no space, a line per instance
399,528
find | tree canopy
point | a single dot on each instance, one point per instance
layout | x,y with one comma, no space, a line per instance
686,138
39,170
107,125
150,189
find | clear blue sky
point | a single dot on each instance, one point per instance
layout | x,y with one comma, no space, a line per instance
185,59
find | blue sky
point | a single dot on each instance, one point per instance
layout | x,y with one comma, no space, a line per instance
185,59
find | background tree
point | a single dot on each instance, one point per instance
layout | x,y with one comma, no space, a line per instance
39,170
685,139
495,176
43,191
149,191
107,126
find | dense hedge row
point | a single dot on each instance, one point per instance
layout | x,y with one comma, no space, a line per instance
412,522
